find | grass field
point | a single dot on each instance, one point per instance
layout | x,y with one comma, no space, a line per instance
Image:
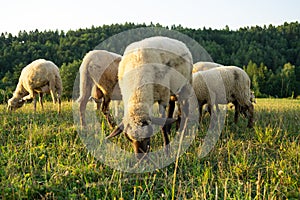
43,157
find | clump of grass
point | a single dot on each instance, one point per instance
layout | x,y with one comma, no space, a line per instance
43,156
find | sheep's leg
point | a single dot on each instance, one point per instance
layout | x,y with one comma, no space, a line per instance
31,96
44,89
53,92
237,111
183,99
55,97
217,108
166,129
209,109
178,115
59,103
58,91
170,115
251,115
82,105
98,105
200,105
82,108
41,100
105,110
34,104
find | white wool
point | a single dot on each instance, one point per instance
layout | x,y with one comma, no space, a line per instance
150,71
99,79
40,76
202,66
222,85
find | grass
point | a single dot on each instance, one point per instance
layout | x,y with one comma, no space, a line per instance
43,157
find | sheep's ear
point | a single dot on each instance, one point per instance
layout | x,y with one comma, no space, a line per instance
162,121
117,131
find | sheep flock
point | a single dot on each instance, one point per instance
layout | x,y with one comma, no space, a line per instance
153,70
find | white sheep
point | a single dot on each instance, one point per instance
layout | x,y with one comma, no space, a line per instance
116,97
39,77
151,70
99,68
223,85
202,66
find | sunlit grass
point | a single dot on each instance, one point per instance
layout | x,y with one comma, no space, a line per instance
42,156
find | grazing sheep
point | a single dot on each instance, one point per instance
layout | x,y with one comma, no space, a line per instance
242,109
223,85
97,97
99,68
151,71
202,66
39,77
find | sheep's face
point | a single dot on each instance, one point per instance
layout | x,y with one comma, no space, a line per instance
15,103
139,135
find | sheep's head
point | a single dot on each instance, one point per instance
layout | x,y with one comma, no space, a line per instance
139,134
15,103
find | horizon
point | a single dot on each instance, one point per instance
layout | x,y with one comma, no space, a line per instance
68,15
164,26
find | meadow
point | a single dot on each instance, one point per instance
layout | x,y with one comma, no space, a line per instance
43,157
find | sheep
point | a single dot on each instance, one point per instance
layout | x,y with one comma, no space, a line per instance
223,85
202,66
39,77
97,97
147,74
99,68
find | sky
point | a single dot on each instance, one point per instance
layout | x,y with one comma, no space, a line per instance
29,15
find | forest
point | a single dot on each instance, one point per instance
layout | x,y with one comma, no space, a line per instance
269,54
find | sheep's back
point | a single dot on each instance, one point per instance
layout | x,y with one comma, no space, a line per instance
202,66
237,84
160,59
102,67
39,73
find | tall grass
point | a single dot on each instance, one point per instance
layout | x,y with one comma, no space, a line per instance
42,156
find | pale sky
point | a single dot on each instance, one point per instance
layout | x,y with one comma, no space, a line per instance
16,15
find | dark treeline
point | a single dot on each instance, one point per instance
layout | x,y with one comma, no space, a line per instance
270,55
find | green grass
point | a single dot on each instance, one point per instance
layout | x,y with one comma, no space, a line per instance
42,156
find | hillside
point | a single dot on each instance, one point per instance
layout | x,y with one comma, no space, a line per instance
269,54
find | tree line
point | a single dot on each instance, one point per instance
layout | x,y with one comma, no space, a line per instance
269,54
